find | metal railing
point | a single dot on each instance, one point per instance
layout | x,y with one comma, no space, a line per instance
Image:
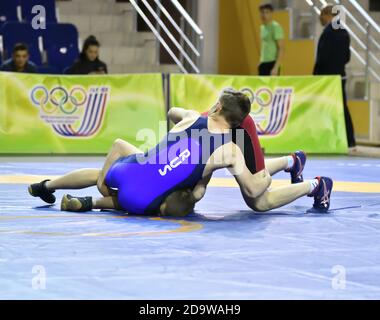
363,39
184,45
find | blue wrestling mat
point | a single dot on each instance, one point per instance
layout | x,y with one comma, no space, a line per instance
224,251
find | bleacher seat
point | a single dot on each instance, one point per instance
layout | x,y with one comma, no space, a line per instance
27,5
61,58
8,10
15,32
60,41
48,70
61,44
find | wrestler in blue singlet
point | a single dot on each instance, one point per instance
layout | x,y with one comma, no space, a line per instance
145,180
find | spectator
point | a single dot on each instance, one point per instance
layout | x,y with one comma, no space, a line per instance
272,43
88,62
332,56
19,61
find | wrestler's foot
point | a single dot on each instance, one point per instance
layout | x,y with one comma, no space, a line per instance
322,195
40,190
76,204
296,172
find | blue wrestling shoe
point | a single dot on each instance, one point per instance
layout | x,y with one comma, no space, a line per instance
297,169
322,194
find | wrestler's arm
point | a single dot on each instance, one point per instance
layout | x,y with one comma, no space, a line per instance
200,189
251,185
176,115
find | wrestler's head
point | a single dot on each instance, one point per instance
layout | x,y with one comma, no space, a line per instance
234,106
180,203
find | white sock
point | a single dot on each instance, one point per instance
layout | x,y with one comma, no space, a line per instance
290,162
313,184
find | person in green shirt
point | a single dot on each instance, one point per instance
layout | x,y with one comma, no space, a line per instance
272,43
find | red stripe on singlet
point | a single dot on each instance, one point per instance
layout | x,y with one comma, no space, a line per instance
249,126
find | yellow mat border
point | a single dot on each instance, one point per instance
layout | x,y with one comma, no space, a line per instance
343,186
184,226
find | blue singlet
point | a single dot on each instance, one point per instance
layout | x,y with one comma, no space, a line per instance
145,180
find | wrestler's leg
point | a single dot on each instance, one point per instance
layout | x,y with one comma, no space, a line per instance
272,165
120,148
278,164
83,178
83,204
277,197
254,157
77,179
106,203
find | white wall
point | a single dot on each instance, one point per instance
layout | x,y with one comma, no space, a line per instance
208,20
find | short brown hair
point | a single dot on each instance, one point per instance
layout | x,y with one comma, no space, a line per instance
179,203
235,106
328,10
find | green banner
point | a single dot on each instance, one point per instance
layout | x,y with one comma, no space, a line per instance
79,114
291,113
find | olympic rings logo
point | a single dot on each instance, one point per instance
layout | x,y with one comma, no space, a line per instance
58,98
263,97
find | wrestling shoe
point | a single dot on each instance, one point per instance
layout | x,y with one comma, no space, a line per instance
40,190
322,194
296,172
76,204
